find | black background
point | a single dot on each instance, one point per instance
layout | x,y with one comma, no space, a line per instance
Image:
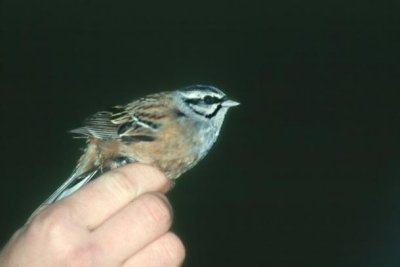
306,170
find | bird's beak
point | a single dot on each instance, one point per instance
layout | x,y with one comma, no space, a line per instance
229,103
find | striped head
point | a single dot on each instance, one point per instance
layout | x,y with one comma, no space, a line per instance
206,104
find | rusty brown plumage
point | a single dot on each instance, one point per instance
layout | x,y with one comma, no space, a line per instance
171,131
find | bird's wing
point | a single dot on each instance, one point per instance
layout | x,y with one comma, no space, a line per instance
128,123
99,126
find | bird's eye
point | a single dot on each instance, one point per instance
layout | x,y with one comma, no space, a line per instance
209,100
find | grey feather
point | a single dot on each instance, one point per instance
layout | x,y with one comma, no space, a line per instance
71,185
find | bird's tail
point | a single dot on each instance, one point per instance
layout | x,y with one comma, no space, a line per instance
86,169
71,185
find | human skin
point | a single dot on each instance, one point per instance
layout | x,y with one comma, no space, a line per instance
120,219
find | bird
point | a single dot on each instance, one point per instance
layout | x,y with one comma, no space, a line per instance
171,130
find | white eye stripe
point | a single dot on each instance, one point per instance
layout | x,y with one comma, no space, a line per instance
201,95
201,91
202,100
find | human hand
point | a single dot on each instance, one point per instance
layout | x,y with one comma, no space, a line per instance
120,219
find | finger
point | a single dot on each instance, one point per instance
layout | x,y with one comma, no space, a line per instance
103,197
133,227
166,251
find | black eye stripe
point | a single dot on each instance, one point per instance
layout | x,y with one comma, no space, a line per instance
209,100
193,101
207,106
212,100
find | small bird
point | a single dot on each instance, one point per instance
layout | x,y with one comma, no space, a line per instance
171,131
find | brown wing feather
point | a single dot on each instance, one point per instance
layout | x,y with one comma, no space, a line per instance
99,126
135,121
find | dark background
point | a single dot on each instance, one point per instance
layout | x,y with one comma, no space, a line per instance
305,172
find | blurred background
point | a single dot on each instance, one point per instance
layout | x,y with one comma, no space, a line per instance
306,171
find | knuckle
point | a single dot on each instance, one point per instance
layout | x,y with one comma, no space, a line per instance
149,173
134,180
63,239
121,183
82,255
52,223
157,207
173,248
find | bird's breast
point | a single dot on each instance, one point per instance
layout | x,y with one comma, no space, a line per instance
174,149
